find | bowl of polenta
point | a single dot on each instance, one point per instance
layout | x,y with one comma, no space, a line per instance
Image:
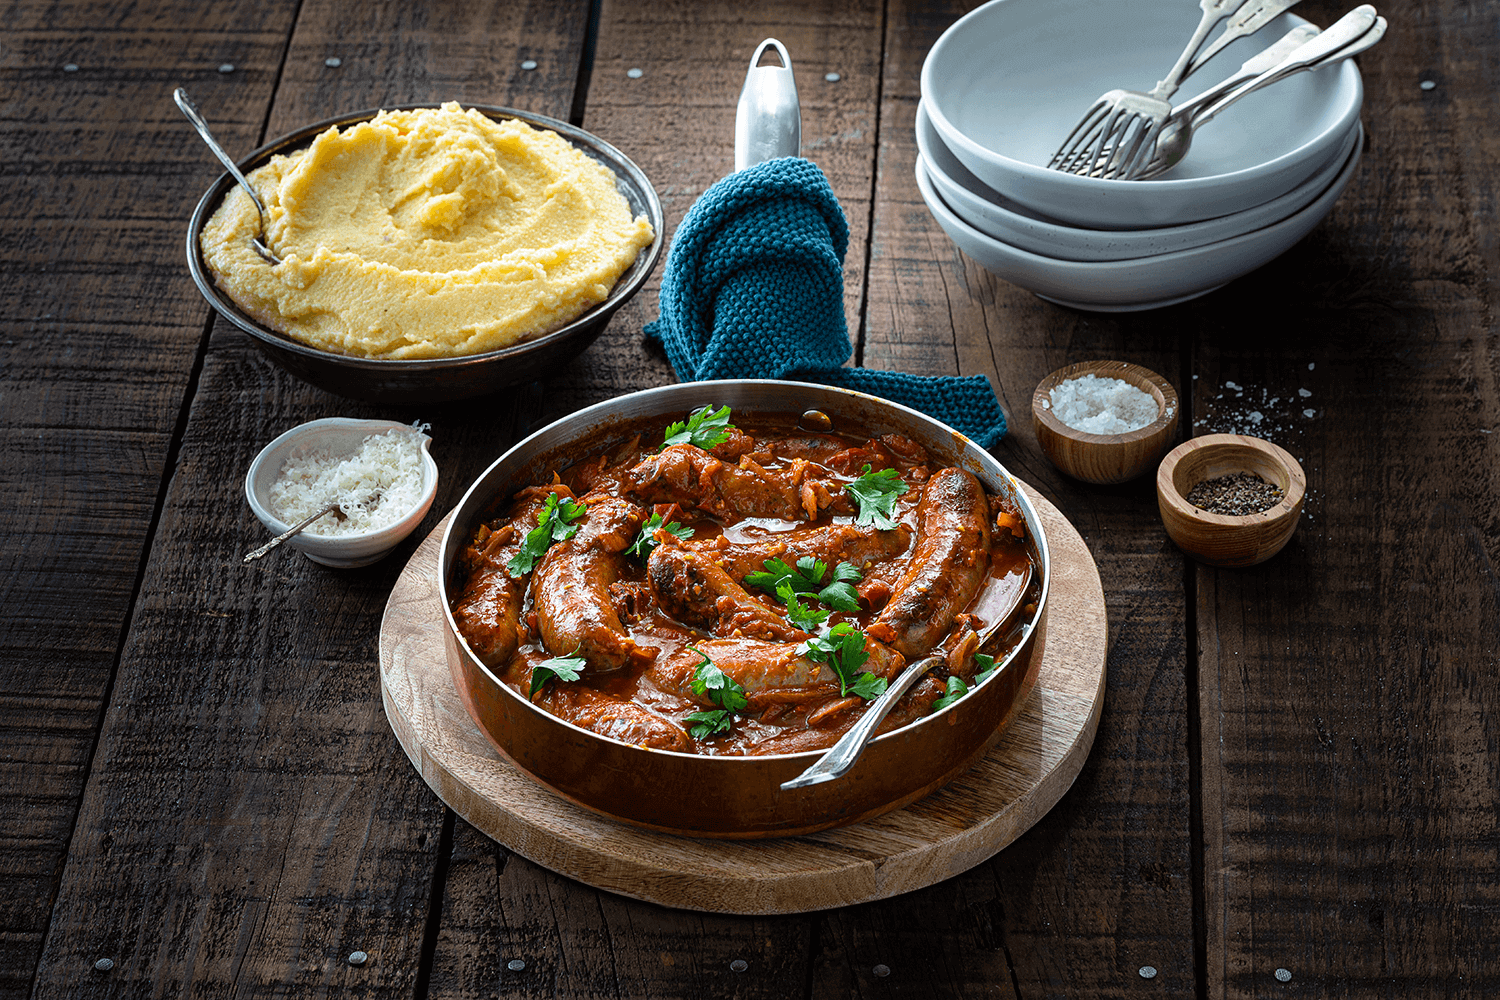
427,252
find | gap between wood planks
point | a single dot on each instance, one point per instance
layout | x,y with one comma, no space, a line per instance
1196,874
864,279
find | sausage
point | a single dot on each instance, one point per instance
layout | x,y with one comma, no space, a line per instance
947,569
771,673
570,587
830,544
488,611
613,717
692,587
687,475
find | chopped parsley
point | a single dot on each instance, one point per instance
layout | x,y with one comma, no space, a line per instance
808,619
645,542
807,578
956,690
705,427
722,690
956,686
554,524
563,668
843,649
876,494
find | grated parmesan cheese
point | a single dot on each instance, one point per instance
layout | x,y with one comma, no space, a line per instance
1097,405
390,463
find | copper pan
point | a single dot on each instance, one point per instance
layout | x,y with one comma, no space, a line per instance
738,797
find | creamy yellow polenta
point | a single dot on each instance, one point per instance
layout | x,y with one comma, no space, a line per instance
425,234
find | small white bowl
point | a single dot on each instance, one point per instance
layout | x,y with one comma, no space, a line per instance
340,436
995,215
1005,84
1144,282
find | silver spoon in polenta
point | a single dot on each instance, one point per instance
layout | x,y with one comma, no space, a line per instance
193,115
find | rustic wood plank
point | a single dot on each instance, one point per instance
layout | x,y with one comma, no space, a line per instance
249,821
99,335
501,909
1349,690
1104,884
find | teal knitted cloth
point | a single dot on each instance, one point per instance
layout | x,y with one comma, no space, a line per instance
754,288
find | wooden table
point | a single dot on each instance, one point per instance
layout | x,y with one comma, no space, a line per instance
1293,790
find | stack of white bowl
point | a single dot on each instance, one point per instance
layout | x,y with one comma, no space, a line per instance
1005,85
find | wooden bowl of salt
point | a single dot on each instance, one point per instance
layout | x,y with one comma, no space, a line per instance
1104,421
1230,499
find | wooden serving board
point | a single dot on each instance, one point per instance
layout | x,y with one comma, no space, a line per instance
949,831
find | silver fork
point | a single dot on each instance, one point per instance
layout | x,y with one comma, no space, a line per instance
1352,34
1182,114
1118,131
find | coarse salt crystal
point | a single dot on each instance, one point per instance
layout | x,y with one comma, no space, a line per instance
390,463
1097,405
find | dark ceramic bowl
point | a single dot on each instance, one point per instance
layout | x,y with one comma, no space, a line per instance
728,796
436,379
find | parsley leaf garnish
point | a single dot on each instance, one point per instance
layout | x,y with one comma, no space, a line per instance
843,649
705,428
552,525
840,595
645,542
867,686
776,573
708,722
722,690
807,578
806,618
564,668
876,494
956,686
956,690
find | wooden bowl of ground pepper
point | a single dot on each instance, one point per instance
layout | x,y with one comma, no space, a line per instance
1230,499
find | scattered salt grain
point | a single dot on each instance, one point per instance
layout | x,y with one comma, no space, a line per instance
1097,405
390,463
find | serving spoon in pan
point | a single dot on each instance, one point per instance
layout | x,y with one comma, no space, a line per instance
840,757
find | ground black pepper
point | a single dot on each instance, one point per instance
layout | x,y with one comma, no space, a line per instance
1235,494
